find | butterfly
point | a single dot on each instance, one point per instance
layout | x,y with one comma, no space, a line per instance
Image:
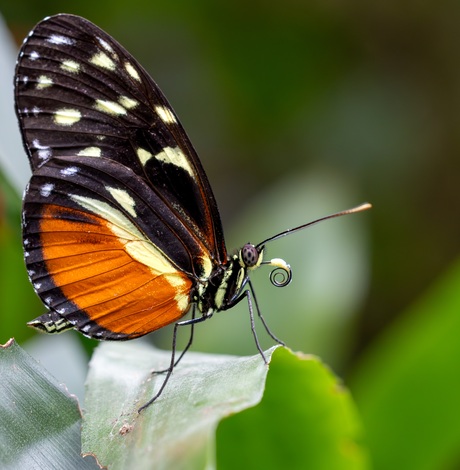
121,230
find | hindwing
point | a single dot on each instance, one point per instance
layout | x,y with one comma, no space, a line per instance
105,252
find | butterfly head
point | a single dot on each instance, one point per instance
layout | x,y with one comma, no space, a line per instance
251,257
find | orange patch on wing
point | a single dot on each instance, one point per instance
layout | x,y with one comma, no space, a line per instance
90,265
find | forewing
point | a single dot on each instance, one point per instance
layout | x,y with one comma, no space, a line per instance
80,93
104,252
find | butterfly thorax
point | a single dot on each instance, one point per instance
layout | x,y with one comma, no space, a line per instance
226,283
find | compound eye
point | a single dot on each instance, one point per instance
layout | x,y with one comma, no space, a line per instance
249,255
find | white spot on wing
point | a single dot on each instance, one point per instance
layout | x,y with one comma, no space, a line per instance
44,154
165,115
37,145
103,61
105,45
110,107
46,189
34,55
60,40
175,156
37,285
72,170
67,116
124,199
90,152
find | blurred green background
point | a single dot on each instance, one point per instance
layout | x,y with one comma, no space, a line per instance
298,109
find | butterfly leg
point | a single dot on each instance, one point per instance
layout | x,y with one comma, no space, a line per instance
262,319
173,362
190,341
250,294
247,294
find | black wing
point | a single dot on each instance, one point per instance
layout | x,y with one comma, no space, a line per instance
81,94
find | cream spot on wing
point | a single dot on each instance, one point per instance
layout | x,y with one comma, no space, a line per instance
143,155
44,82
175,156
127,103
104,61
124,199
166,115
182,300
132,72
136,245
70,66
206,265
90,152
174,280
110,107
67,116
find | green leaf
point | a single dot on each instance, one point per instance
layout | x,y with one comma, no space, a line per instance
306,419
408,386
40,421
177,431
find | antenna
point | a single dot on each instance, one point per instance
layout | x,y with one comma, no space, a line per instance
360,208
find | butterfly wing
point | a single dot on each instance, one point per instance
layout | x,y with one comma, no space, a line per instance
120,222
80,93
103,251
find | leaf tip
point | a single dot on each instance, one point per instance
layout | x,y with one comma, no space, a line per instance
8,344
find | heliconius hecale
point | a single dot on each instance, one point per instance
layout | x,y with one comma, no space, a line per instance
121,230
